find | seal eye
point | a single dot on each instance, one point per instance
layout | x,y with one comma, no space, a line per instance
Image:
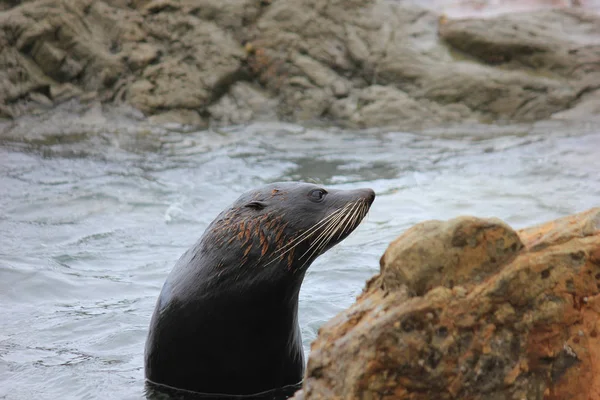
256,205
317,195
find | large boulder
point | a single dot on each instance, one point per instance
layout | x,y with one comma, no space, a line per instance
471,309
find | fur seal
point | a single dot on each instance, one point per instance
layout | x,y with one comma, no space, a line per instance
226,320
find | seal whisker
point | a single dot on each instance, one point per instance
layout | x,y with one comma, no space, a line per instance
331,222
366,208
348,222
323,239
290,245
306,235
341,226
316,249
350,219
359,215
299,239
342,221
329,233
310,231
343,213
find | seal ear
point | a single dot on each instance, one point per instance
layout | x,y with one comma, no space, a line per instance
256,205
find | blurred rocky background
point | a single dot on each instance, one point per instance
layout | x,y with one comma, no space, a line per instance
355,63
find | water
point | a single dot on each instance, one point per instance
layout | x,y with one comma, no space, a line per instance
89,229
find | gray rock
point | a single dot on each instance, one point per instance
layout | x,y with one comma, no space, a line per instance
200,60
588,107
242,104
67,91
358,63
179,116
142,54
518,67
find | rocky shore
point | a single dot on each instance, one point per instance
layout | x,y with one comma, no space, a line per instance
354,63
471,309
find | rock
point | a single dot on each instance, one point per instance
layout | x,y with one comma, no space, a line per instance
40,99
471,309
356,63
488,8
518,67
542,44
141,55
157,55
379,105
461,251
242,104
231,15
60,93
49,43
587,108
156,6
200,60
183,116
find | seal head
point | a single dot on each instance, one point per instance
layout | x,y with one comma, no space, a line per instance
226,320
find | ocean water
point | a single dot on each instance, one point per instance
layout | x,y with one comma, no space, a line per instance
91,224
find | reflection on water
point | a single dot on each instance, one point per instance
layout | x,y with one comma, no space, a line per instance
89,229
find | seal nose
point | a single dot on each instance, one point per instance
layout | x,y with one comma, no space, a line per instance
369,195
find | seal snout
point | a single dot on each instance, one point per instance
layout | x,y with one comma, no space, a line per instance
368,194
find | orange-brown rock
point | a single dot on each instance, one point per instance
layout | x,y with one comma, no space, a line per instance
470,309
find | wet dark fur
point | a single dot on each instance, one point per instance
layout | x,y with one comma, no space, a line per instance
226,320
